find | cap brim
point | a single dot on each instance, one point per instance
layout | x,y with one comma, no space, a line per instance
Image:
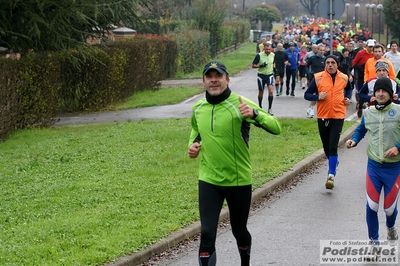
215,68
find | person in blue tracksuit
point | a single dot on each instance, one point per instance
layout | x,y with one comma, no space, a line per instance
382,122
291,67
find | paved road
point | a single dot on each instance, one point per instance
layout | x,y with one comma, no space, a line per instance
287,230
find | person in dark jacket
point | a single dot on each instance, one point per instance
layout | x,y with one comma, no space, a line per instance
281,60
345,62
315,65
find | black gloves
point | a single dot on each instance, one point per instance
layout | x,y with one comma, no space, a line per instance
263,64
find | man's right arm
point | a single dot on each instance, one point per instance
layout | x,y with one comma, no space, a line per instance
311,93
360,132
256,62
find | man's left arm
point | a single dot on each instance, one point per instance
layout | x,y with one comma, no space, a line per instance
266,121
258,116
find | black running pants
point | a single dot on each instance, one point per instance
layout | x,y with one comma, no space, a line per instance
329,132
211,199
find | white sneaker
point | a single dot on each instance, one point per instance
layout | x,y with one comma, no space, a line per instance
310,112
373,254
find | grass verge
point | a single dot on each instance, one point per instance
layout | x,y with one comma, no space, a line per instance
86,195
157,97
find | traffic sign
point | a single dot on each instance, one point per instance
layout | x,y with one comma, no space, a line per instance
324,8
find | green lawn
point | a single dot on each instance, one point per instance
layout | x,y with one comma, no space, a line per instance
86,195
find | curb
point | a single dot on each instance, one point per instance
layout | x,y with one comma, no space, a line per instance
187,232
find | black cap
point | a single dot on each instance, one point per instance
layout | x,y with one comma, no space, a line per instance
221,68
384,84
334,57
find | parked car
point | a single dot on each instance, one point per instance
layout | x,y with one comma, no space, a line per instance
257,35
264,34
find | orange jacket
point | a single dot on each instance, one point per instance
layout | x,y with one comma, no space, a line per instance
370,72
333,105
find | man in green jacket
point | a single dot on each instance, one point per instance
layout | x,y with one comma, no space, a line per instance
220,130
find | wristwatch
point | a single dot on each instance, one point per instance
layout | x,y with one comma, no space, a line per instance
255,113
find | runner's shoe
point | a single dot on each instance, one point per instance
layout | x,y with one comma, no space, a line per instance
310,112
374,252
270,112
329,182
392,236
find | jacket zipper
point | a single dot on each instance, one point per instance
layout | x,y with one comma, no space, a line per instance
381,136
212,119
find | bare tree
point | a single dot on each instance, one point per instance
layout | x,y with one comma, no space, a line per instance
309,5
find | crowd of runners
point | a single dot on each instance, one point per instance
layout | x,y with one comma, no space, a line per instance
298,51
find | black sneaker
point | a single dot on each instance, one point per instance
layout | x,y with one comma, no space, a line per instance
292,93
